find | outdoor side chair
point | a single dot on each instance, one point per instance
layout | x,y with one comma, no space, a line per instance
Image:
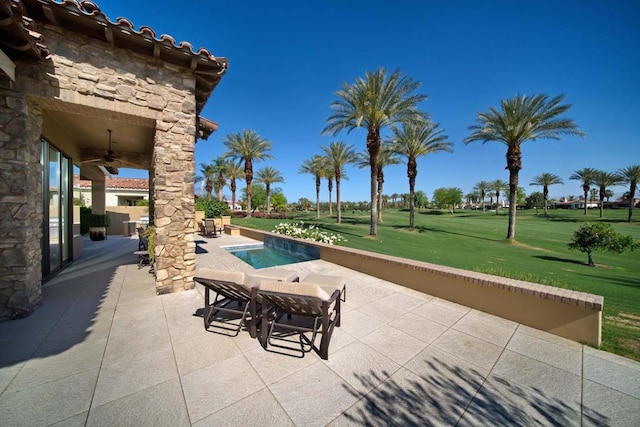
330,284
305,300
232,297
210,228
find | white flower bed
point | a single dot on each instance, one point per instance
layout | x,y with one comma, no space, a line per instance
307,232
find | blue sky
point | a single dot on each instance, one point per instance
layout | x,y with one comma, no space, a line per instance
288,58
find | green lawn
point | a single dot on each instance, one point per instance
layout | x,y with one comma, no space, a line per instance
476,241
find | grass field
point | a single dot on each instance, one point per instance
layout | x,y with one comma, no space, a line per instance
476,241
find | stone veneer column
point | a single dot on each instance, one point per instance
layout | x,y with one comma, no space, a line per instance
20,204
174,210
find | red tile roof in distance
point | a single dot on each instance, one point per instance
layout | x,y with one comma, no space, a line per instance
115,183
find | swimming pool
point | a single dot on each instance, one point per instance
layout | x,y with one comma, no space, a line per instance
260,256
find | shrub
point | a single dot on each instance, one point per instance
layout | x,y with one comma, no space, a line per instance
85,214
212,208
593,236
307,232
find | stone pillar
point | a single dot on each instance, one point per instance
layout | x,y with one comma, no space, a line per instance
20,204
174,211
98,194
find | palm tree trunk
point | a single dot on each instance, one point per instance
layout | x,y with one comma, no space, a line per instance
483,207
373,146
339,213
330,190
632,192
248,177
586,193
233,194
545,192
380,182
268,190
317,198
513,199
412,184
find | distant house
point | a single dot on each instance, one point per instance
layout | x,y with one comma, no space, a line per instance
118,191
572,204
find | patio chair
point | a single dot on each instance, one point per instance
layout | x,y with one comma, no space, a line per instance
306,300
210,228
231,288
143,250
330,284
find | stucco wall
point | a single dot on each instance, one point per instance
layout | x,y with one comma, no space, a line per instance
570,314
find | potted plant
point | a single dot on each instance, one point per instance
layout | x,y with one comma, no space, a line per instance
98,226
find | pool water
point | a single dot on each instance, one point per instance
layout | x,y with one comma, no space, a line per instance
259,256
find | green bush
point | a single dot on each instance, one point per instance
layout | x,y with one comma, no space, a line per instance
85,214
212,208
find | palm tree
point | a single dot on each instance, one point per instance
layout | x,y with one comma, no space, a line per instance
208,172
545,180
234,171
585,175
329,174
220,171
482,187
338,155
394,199
603,180
386,157
498,186
412,141
247,146
521,119
630,175
315,167
374,102
268,175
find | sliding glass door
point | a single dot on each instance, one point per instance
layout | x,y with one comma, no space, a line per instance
56,200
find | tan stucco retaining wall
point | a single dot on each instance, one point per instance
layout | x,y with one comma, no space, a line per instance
570,314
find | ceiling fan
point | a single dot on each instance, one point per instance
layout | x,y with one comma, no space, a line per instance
108,158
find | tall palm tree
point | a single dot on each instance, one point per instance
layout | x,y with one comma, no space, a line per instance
498,186
414,140
234,171
329,174
208,172
603,180
630,175
339,154
545,180
220,179
314,166
374,102
248,147
268,175
522,118
481,187
585,175
386,157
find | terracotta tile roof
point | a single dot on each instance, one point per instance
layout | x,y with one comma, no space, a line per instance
115,183
18,37
82,17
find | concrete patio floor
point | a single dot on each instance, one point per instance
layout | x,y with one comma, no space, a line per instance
104,350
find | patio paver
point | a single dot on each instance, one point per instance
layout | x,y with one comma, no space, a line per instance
105,350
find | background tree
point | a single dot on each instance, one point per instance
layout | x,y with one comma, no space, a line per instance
585,175
304,204
481,187
248,147
234,172
339,154
414,140
498,186
374,102
630,175
521,119
602,180
386,158
314,166
447,198
545,180
208,171
258,197
593,236
536,200
421,199
220,175
267,176
279,202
